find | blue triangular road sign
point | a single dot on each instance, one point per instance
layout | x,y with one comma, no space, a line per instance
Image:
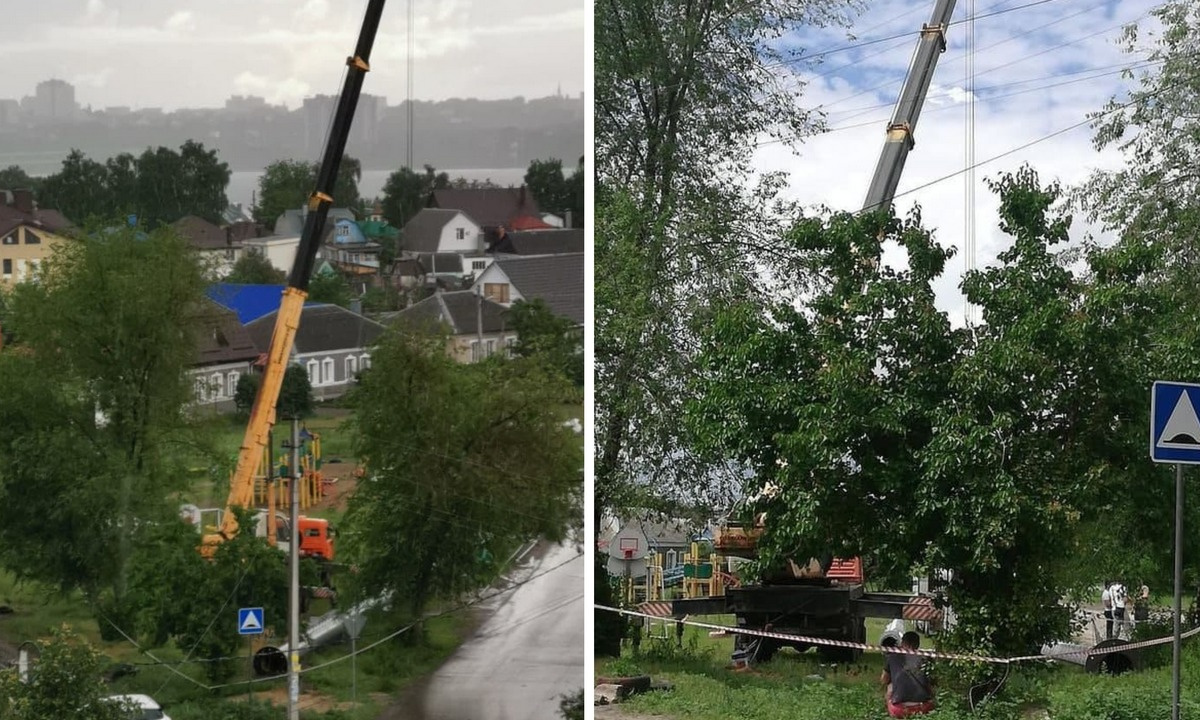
250,621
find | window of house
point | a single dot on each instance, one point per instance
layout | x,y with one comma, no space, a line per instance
7,266
327,370
351,367
314,372
343,231
496,292
233,378
460,233
478,265
364,361
510,346
670,563
475,351
491,348
10,239
218,386
32,238
201,390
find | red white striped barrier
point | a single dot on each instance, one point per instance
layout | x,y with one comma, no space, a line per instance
897,649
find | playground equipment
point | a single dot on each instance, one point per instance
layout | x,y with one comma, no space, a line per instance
271,489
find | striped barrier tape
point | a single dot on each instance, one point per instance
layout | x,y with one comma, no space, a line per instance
937,655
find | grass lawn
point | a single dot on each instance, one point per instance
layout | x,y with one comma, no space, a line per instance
797,686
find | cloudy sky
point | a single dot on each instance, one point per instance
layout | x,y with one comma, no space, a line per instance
193,53
1038,70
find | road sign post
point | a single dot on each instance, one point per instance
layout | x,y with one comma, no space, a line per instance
1175,438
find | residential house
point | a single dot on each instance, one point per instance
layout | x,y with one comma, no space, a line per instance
280,248
430,270
217,248
28,234
538,242
555,279
225,352
433,231
492,208
477,326
332,343
350,251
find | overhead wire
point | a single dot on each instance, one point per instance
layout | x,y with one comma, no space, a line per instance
969,154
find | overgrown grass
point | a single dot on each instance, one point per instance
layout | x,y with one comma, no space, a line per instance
800,686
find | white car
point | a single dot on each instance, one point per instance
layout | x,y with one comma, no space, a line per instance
145,708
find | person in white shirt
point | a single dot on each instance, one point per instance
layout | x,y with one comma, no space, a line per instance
1119,596
1106,601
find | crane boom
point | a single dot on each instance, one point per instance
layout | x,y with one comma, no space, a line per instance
908,108
287,321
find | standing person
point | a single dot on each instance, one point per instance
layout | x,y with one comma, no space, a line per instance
908,690
1106,601
1119,596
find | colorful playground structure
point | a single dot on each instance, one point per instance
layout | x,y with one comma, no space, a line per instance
272,491
697,576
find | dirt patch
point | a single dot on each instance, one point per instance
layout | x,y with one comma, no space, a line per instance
311,701
340,481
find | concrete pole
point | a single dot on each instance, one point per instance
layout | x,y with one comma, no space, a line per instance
294,588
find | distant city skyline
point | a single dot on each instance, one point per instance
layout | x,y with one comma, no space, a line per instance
174,54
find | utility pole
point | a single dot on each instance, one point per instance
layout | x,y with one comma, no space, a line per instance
294,587
479,319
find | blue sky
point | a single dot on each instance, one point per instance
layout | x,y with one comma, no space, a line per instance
1069,44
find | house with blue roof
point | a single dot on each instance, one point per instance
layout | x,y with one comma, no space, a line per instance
250,302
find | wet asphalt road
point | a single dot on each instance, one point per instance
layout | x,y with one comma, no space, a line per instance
526,653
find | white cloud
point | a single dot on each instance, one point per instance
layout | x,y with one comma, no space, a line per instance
182,21
289,91
96,79
313,11
95,8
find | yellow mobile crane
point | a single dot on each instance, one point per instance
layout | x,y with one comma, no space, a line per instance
315,538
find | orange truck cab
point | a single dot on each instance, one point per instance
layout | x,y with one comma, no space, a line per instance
316,538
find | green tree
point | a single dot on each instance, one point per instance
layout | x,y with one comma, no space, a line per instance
65,681
295,394
286,185
253,268
681,90
548,184
94,401
172,184
77,190
330,287
178,592
476,462
406,192
14,176
542,334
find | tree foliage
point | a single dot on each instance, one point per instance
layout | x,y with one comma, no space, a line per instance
464,462
65,681
295,394
542,334
682,95
178,595
330,287
160,186
555,192
93,396
286,185
14,177
406,192
1012,453
253,268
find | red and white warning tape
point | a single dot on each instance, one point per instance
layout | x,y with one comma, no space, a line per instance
925,653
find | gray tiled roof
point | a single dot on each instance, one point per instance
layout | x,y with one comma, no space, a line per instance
541,242
221,338
556,279
323,328
459,310
423,232
490,207
200,233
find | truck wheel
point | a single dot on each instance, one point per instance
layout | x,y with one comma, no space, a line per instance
857,632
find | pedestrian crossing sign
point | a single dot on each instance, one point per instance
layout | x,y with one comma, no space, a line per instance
250,621
1174,424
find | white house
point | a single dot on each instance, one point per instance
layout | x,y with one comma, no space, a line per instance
434,230
555,279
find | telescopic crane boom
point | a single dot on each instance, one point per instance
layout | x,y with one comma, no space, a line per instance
912,96
262,414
